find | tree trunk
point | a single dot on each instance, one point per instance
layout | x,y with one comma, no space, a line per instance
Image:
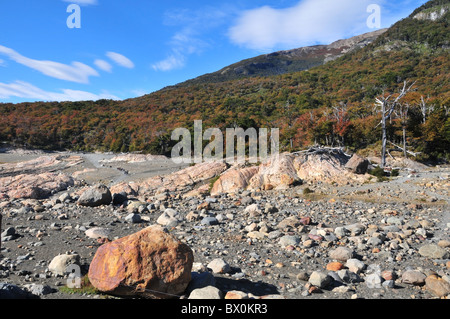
404,141
383,141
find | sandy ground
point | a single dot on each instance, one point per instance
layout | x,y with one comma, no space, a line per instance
95,167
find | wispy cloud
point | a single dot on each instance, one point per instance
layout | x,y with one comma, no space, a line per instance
308,22
120,60
190,39
2,62
174,61
103,65
76,72
82,2
26,90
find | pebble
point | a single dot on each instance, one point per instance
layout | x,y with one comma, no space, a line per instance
219,266
413,277
208,293
341,254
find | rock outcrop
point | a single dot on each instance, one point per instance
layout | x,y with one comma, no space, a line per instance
34,186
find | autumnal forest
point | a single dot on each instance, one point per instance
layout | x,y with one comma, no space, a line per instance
333,104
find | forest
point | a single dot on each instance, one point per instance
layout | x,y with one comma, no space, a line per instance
333,104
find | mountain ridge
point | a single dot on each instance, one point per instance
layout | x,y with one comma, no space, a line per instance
286,61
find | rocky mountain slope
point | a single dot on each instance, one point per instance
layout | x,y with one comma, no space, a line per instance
288,61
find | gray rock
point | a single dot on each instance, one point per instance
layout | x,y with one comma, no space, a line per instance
349,276
341,254
209,221
355,265
200,280
119,198
373,281
133,218
169,218
10,291
95,196
39,290
219,266
288,240
355,229
59,263
97,232
320,279
433,251
413,277
209,292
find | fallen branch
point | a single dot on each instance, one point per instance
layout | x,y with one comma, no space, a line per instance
402,149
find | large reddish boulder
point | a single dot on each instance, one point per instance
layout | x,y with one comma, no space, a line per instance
149,264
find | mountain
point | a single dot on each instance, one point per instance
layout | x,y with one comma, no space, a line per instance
282,62
331,104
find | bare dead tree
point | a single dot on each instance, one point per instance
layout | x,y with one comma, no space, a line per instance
402,113
387,105
425,108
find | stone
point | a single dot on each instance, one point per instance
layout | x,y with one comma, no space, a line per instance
341,254
133,218
95,196
150,264
355,229
357,164
200,280
320,279
119,198
34,186
326,166
38,289
433,251
97,232
437,286
234,180
413,277
136,206
289,240
373,281
334,266
59,264
277,172
348,276
209,292
209,221
219,266
355,265
10,291
169,218
236,294
341,232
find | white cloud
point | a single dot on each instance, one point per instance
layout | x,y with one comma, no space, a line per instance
2,62
103,65
120,59
174,61
76,72
82,2
26,90
308,22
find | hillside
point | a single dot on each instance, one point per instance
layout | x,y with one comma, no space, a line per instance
329,104
288,61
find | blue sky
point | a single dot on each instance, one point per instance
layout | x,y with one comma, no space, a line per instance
125,49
